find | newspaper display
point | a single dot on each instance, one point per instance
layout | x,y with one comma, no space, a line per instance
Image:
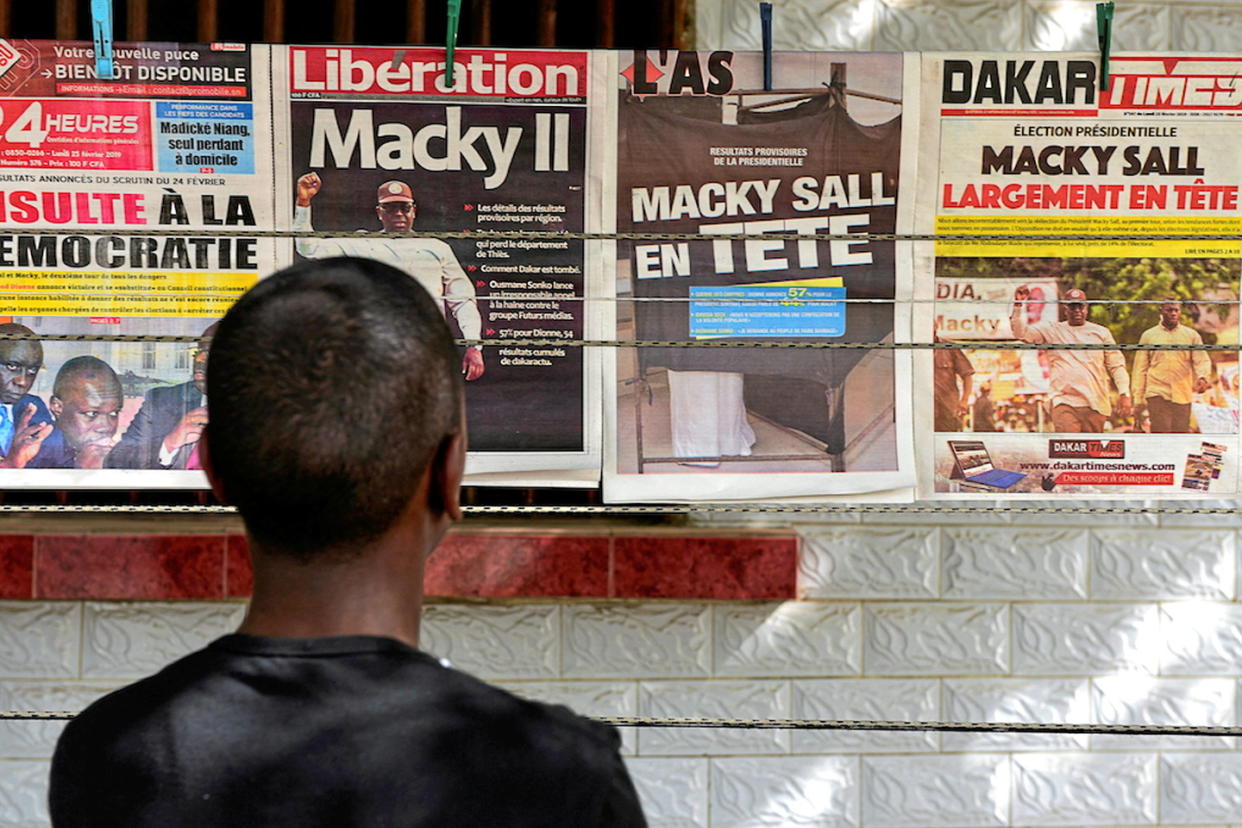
177,141
703,149
1017,145
376,139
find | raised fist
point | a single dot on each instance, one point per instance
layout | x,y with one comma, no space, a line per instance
308,188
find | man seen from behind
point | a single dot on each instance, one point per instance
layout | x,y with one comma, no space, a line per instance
321,710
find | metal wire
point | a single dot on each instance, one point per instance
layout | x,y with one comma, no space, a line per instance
705,343
556,236
688,509
832,724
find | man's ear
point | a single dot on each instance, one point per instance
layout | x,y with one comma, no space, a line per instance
209,469
55,405
447,469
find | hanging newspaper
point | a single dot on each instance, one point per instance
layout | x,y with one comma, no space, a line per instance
703,149
376,139
1019,146
176,141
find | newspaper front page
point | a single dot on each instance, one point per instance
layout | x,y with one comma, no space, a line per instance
177,141
1022,145
703,149
375,139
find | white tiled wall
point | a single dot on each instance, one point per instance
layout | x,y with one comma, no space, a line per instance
1000,620
969,25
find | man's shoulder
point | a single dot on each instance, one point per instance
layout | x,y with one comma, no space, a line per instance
163,393
551,723
40,408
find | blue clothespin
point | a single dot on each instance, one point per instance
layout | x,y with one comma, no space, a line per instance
101,28
1104,26
450,39
765,27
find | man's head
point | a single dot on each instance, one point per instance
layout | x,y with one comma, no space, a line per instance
396,207
86,402
1075,304
20,361
199,375
335,389
1170,313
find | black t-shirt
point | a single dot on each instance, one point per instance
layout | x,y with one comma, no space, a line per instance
349,731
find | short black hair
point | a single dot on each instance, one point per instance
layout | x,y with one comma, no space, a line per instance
331,386
90,368
10,328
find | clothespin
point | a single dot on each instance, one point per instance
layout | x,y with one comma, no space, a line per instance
101,28
765,27
1104,26
450,39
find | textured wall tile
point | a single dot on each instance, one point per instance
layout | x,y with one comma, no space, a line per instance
1200,638
1128,563
935,639
23,794
1069,25
1030,564
1206,28
785,791
16,566
719,568
637,640
1084,789
238,572
128,641
1198,788
37,739
495,565
1068,639
1122,700
135,567
587,698
712,699
1060,701
935,791
673,791
495,641
963,25
39,640
904,700
864,562
797,638
823,25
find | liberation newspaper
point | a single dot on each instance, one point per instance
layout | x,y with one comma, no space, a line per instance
377,139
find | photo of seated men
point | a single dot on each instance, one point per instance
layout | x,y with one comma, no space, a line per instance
85,404
124,405
164,432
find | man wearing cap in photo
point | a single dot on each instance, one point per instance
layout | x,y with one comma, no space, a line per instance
1165,381
430,261
1079,378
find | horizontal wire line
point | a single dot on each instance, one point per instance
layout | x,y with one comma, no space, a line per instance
689,508
627,236
710,343
710,301
831,724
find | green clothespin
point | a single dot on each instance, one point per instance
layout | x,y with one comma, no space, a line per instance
1104,26
450,39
